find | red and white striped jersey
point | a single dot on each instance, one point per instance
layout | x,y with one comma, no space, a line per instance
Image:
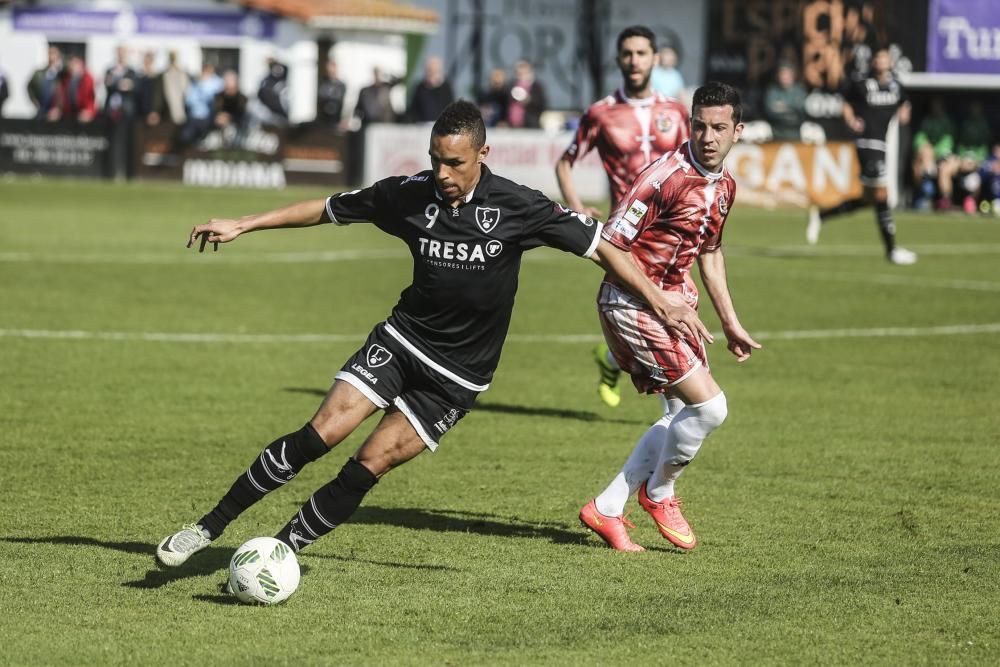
629,134
675,210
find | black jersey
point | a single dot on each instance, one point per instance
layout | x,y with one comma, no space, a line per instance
466,260
876,103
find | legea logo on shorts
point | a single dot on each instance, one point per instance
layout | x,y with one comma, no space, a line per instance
378,356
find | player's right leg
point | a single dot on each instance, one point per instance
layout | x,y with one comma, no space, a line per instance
342,411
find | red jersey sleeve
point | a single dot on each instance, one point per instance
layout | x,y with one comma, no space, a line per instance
648,197
585,137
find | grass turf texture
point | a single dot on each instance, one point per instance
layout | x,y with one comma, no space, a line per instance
846,513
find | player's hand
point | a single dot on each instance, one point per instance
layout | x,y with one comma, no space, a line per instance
858,125
215,231
680,318
740,343
591,212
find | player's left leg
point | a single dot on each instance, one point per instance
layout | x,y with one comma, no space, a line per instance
428,407
605,514
656,360
393,442
887,228
872,163
704,410
607,385
343,410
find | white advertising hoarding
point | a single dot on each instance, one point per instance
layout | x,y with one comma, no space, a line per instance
525,156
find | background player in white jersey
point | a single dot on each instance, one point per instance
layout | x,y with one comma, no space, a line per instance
629,128
466,229
869,106
672,216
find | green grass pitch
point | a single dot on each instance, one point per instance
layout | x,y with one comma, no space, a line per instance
847,512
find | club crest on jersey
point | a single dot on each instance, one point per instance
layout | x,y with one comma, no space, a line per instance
664,123
487,218
723,205
377,356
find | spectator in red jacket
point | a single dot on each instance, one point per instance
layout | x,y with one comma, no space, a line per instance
74,98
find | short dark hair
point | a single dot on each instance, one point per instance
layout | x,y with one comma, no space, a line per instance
461,117
636,31
717,94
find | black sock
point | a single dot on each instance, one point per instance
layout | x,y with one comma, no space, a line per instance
329,507
277,464
886,227
841,209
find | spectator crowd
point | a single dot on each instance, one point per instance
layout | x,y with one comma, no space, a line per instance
954,156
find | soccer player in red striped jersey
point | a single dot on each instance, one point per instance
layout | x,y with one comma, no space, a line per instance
629,128
673,215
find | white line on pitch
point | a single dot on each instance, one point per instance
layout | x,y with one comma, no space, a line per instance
858,250
168,337
899,279
230,256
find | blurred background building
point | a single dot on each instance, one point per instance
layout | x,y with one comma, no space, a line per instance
331,85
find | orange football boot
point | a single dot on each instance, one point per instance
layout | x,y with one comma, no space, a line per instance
668,518
611,529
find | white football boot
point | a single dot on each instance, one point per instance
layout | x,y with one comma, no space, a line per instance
902,256
175,549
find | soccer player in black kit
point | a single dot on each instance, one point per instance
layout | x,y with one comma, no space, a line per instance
868,108
466,229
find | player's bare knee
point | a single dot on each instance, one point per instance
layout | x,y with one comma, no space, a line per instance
330,430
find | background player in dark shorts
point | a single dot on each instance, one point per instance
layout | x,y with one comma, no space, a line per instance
869,106
466,230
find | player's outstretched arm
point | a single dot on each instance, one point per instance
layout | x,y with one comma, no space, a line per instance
564,174
713,273
224,230
671,307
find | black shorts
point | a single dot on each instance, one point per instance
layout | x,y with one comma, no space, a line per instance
873,169
389,374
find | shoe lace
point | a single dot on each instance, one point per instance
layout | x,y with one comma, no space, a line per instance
673,508
626,522
189,537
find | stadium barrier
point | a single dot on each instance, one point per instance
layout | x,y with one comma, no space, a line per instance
257,158
795,174
768,175
524,156
64,148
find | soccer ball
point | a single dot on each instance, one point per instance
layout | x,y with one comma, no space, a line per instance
263,571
